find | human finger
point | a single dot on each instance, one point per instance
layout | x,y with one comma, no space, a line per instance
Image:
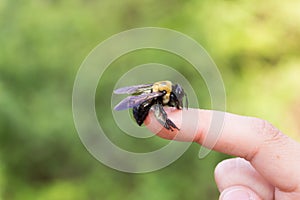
239,192
236,172
270,152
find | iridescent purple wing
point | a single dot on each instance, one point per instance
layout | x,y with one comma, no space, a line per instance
132,101
135,89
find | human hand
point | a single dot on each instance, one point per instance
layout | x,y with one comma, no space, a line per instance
268,166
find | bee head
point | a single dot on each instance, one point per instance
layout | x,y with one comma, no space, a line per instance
176,97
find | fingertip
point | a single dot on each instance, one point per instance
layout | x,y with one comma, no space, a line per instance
186,120
154,126
238,192
238,171
224,167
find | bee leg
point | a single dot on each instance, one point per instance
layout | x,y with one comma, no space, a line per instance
162,117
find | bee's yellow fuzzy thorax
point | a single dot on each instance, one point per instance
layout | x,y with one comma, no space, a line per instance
163,86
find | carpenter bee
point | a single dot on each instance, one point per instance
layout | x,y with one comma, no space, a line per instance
155,96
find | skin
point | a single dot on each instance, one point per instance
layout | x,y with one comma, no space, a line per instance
267,164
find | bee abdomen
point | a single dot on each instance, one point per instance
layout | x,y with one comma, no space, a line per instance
140,113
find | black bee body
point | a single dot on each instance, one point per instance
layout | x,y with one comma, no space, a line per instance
155,96
141,111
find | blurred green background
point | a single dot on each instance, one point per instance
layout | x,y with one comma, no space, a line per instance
255,44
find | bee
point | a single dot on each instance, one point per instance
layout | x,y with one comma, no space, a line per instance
155,96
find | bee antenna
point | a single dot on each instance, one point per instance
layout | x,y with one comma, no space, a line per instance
186,101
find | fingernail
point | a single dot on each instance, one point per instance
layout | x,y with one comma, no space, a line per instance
237,194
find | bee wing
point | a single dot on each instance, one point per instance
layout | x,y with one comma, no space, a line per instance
132,101
133,89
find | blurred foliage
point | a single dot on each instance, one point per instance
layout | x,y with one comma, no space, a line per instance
42,44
